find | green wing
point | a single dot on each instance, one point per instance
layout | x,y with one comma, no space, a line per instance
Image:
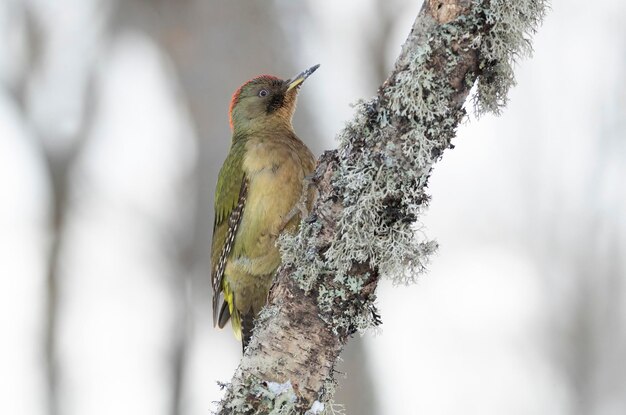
230,196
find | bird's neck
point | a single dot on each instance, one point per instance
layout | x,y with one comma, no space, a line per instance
268,130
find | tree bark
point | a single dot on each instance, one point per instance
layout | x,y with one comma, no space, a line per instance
371,192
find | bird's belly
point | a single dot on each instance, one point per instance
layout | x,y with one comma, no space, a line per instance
275,174
271,198
249,290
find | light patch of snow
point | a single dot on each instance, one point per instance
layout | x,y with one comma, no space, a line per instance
279,388
316,408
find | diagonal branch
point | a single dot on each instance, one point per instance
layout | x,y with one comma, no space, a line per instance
371,193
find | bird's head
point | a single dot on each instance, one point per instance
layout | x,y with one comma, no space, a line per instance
265,101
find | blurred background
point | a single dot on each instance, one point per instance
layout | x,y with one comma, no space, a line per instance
113,126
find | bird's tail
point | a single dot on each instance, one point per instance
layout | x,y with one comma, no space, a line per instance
247,324
224,315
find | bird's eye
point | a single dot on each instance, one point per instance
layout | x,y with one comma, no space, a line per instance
263,93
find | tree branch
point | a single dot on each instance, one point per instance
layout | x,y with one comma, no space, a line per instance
371,193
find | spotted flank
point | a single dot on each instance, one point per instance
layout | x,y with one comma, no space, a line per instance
218,273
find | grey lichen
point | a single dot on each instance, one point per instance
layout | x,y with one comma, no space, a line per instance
317,408
387,152
302,249
330,406
511,25
253,396
383,196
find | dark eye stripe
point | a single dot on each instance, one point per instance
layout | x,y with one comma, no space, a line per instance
275,102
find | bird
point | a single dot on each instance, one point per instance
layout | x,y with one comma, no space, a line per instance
257,195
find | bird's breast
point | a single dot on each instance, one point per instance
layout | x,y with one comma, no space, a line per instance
275,173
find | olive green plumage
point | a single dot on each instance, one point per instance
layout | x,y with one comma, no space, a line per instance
258,189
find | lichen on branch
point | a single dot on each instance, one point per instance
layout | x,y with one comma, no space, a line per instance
372,192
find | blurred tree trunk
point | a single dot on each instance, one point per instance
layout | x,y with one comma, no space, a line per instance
58,162
356,389
59,166
581,255
590,336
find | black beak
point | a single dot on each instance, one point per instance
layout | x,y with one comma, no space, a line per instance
298,79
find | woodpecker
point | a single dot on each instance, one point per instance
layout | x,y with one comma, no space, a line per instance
258,189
